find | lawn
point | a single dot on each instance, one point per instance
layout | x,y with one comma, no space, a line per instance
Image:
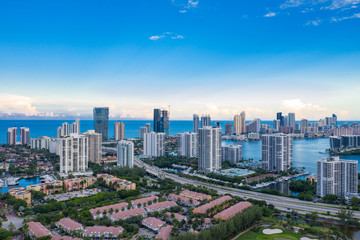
285,235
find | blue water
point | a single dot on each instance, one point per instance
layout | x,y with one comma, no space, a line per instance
23,183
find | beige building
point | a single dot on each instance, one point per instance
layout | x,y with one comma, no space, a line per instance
21,193
119,131
95,142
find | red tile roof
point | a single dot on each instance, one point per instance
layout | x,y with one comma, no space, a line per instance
202,209
100,230
38,230
160,206
183,199
64,238
152,222
177,216
143,200
165,232
127,214
195,195
233,210
107,208
69,224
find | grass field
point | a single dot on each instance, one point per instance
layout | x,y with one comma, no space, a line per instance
285,235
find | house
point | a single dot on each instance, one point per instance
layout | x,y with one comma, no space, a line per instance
69,225
100,231
99,212
160,206
37,230
127,214
153,223
165,232
195,195
189,202
177,216
233,210
142,201
203,209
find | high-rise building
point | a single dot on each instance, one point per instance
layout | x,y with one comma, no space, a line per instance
40,143
12,136
65,129
280,117
196,123
74,152
25,135
157,120
228,129
58,132
254,126
75,126
148,127
125,154
165,122
101,121
276,125
94,142
209,149
242,122
154,144
205,120
338,177
237,124
232,153
187,144
142,131
304,123
291,118
119,131
277,152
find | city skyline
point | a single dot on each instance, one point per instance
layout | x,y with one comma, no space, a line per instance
260,57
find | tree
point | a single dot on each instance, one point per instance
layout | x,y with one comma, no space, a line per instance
12,227
354,201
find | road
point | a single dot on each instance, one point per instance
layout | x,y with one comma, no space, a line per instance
281,203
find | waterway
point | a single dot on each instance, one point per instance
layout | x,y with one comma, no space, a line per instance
22,183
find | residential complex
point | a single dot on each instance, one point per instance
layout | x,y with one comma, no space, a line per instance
11,136
25,135
209,149
187,144
277,152
125,154
338,177
94,143
196,123
154,144
119,131
232,153
21,193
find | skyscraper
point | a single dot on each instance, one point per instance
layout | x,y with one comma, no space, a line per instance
125,154
25,135
165,122
280,117
187,144
196,123
242,122
75,126
338,177
95,142
11,136
157,120
142,131
154,144
148,127
228,129
101,121
65,129
277,152
205,120
74,152
254,126
209,149
237,124
232,153
291,118
119,131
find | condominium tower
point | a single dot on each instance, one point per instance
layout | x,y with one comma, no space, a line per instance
196,123
205,120
125,154
154,144
338,177
11,135
119,131
101,121
95,142
277,152
209,149
25,135
187,144
74,152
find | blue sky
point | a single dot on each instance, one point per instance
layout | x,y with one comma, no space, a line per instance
61,58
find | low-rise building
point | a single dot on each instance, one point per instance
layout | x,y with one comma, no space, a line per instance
165,233
203,209
173,216
69,225
100,232
127,214
183,200
106,210
153,223
160,206
47,187
64,238
37,230
78,183
207,223
117,183
195,195
233,210
140,202
21,193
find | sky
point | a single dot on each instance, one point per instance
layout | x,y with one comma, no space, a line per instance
59,59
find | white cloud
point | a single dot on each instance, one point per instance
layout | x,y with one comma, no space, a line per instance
177,37
270,14
292,3
193,3
10,104
182,11
303,110
156,37
313,22
186,3
339,19
336,4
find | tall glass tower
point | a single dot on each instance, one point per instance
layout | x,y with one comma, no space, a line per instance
101,121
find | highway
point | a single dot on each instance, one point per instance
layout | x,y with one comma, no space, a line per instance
281,203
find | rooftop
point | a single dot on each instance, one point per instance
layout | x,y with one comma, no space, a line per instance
38,230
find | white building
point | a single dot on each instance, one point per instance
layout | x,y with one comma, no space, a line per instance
25,135
277,152
335,176
209,149
74,153
142,131
205,120
154,144
232,153
75,126
125,154
187,144
95,142
196,123
40,143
